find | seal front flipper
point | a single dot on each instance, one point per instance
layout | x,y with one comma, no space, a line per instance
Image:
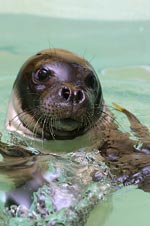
142,178
139,130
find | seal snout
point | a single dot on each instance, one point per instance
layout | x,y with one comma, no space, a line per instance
77,96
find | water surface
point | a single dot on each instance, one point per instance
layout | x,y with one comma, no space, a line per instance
120,52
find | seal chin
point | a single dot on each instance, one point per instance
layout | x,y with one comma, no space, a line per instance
67,124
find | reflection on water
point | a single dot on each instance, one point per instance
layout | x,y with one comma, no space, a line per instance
63,185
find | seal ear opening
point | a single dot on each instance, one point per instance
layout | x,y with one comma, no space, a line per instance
38,54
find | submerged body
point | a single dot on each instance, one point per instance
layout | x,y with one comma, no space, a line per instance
57,97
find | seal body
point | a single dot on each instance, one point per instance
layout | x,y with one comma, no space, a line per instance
56,96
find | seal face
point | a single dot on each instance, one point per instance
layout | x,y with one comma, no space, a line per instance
56,94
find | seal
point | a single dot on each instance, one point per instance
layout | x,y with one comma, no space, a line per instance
56,95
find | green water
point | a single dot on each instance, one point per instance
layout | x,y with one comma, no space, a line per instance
117,50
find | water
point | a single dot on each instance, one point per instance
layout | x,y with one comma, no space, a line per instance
128,86
128,206
117,50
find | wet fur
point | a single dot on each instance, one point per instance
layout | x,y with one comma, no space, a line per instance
127,161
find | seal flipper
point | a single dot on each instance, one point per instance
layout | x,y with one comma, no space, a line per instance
142,178
139,130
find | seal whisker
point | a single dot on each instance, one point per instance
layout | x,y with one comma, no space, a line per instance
18,119
109,114
51,125
89,120
43,126
35,128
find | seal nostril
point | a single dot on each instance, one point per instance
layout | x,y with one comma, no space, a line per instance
76,96
65,93
79,96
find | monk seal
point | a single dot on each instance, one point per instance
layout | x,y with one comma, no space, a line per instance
56,95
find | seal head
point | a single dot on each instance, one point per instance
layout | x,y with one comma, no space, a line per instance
56,94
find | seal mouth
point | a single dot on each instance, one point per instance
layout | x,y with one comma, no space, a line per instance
67,124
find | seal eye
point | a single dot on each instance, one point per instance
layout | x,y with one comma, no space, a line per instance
41,75
91,81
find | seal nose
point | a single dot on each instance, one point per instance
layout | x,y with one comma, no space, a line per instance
76,96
